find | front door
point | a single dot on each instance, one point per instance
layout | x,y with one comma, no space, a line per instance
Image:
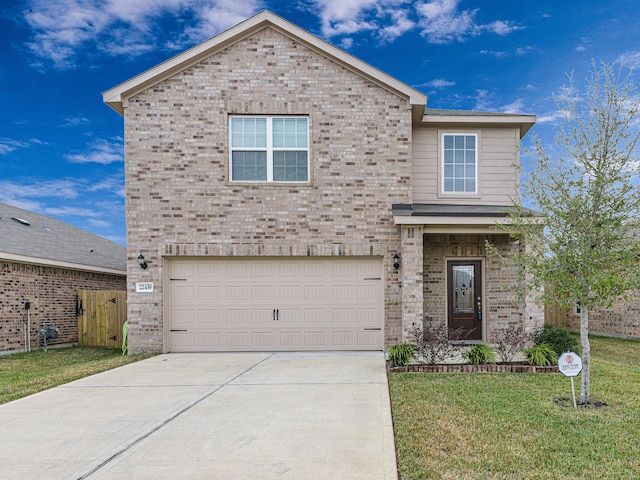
464,297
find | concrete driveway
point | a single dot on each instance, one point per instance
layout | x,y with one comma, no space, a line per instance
209,416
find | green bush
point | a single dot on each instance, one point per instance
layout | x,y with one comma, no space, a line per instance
558,338
401,354
481,354
541,355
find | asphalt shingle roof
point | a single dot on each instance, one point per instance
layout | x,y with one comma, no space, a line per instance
40,237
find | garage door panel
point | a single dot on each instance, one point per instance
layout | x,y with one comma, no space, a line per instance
344,338
369,316
368,338
317,315
261,339
208,338
184,316
238,339
315,292
315,339
208,292
182,293
260,293
366,292
229,304
290,292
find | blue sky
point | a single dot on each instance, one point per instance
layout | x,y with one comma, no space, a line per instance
61,148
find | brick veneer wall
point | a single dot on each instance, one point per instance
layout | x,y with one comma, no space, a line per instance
622,319
179,198
52,293
500,307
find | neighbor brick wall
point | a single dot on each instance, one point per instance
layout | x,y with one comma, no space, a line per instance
52,293
500,306
179,198
622,319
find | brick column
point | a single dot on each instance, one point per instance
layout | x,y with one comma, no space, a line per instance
412,274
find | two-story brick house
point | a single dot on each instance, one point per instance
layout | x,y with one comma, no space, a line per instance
287,196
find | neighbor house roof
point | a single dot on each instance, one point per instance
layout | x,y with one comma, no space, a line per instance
117,97
30,237
469,117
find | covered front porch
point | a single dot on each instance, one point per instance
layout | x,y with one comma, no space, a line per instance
448,275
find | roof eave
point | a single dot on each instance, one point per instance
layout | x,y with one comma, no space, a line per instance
116,96
524,122
59,264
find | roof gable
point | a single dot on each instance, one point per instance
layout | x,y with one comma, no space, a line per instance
33,238
117,96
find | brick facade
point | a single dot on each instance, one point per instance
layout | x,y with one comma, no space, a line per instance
180,200
52,293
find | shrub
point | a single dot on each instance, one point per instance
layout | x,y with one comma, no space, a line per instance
541,355
432,341
481,354
401,354
558,338
510,341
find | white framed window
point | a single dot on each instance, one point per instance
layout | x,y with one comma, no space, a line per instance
460,163
269,149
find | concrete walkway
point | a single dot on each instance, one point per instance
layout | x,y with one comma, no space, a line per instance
209,416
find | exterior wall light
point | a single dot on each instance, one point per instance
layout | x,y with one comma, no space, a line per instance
141,262
396,261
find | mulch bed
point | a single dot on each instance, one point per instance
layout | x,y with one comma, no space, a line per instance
499,368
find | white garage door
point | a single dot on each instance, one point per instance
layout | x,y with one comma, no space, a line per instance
274,304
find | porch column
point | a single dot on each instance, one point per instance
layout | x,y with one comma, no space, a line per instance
412,275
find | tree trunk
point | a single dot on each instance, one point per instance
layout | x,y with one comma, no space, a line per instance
585,384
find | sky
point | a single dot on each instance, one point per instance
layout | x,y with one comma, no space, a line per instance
61,147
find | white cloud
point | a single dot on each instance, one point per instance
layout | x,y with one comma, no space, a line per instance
438,83
442,22
63,28
8,145
552,117
514,107
71,211
100,151
630,59
12,193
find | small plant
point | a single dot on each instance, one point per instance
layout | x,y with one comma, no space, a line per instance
433,341
125,338
558,338
510,341
401,354
541,355
481,354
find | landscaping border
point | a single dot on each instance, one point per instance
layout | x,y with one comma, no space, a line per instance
507,368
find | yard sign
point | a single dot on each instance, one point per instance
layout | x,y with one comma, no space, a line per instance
570,365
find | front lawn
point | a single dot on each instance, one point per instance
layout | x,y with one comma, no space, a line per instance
509,426
27,373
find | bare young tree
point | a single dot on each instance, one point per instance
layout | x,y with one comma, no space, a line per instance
587,251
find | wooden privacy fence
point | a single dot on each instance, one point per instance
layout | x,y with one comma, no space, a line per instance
101,314
556,315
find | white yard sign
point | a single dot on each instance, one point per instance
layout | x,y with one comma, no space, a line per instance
570,365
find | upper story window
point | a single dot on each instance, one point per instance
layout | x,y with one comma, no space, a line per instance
269,149
460,163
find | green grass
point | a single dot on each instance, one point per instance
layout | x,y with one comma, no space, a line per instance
27,373
507,426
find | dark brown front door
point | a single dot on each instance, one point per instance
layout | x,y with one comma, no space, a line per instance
464,297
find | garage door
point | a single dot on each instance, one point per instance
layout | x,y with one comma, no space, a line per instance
274,304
